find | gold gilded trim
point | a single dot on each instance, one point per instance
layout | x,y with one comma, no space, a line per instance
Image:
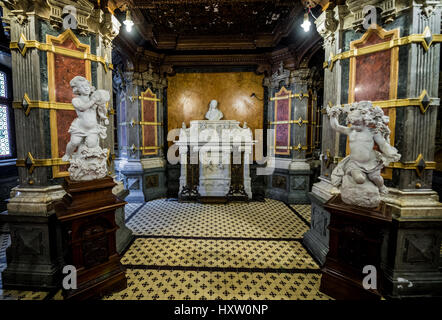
419,165
149,151
299,122
299,147
395,43
36,104
145,98
39,162
55,41
289,97
396,103
48,47
140,123
300,96
394,71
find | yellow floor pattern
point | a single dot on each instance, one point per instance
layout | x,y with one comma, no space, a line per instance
193,285
219,253
191,251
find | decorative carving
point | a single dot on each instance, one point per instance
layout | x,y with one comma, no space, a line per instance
30,241
319,221
359,174
419,248
279,182
427,7
152,181
299,183
187,25
326,25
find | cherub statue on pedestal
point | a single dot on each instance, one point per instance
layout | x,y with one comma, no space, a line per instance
87,158
359,174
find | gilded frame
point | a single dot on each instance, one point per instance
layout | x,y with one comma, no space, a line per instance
54,41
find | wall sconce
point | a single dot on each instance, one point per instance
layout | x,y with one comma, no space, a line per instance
253,95
128,22
306,24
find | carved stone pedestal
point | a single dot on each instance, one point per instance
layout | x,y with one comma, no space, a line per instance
358,238
87,216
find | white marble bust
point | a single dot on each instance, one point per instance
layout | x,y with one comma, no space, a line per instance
214,114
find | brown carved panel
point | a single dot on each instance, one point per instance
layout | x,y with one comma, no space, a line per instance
279,182
152,182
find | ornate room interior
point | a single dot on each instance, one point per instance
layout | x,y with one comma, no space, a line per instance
217,164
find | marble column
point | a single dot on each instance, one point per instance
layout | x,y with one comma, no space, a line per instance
141,160
290,181
397,78
317,238
41,75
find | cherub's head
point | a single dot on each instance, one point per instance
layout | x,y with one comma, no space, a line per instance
359,114
213,104
80,86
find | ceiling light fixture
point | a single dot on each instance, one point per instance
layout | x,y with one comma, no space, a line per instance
128,22
306,24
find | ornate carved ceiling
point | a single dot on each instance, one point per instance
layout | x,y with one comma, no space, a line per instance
173,34
213,25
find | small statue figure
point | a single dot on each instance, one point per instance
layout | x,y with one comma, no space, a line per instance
89,161
214,113
359,174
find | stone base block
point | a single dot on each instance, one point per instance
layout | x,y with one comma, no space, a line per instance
34,258
154,185
413,265
317,238
290,186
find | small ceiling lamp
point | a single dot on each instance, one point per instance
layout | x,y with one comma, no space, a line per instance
128,22
306,24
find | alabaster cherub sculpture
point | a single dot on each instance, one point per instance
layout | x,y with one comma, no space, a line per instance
87,159
359,174
214,113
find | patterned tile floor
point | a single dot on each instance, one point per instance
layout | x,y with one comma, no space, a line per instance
269,219
190,251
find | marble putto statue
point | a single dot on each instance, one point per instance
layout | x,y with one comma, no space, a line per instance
214,114
359,174
87,159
